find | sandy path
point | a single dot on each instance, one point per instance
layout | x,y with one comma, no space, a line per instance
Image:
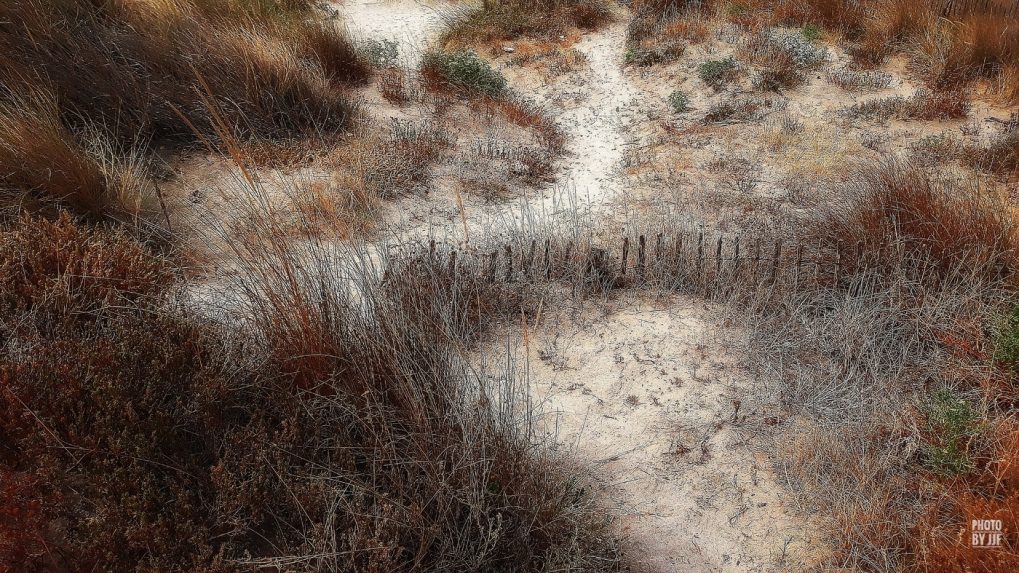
647,396
597,128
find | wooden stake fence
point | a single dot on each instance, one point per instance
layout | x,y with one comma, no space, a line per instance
669,265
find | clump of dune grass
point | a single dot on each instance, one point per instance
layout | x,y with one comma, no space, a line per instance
655,21
141,67
86,86
660,31
44,166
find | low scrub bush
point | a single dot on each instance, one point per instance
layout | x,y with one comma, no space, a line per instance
656,54
784,57
859,80
718,73
735,110
1006,340
463,71
810,32
679,101
952,424
380,53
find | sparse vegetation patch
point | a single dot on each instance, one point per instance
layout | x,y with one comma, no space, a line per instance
718,73
679,101
464,70
924,105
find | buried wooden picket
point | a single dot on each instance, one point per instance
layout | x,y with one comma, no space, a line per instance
640,258
671,262
626,252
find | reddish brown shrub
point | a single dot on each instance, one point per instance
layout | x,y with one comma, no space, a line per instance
903,218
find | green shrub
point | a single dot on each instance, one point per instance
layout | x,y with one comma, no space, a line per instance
1006,340
465,70
952,422
380,53
811,32
679,101
717,73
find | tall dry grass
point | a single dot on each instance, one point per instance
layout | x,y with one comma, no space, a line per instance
85,85
951,43
325,418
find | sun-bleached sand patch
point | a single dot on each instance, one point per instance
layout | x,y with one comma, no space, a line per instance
651,398
409,23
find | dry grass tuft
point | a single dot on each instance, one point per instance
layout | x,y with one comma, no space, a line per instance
902,216
660,30
85,84
894,403
951,43
503,20
998,155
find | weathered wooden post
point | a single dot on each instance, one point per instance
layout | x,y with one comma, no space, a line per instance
640,257
799,262
548,259
529,264
817,263
775,260
700,252
838,262
626,253
679,255
757,257
718,257
735,256
509,263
